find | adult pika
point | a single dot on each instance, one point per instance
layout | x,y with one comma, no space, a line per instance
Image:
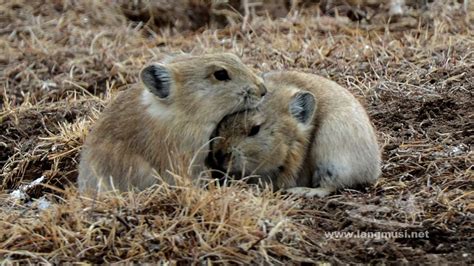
166,123
310,137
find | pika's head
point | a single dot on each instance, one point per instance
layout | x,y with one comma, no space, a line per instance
208,86
268,142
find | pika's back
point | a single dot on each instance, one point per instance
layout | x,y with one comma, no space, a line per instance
330,97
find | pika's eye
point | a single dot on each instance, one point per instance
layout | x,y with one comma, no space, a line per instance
254,131
221,75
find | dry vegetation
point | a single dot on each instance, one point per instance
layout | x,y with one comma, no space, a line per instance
62,61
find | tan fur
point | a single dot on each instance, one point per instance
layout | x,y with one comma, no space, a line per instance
277,145
140,135
339,150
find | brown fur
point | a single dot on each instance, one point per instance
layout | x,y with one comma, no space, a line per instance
140,134
280,145
339,150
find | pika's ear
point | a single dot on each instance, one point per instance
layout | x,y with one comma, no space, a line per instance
157,79
302,106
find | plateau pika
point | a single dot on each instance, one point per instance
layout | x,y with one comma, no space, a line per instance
310,136
165,124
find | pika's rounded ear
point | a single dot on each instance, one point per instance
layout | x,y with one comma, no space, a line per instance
157,79
302,106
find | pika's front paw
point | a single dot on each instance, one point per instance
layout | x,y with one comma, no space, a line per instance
310,192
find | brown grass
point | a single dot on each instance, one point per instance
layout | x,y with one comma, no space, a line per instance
63,61
230,224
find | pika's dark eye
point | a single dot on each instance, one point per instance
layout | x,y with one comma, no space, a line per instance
254,131
221,75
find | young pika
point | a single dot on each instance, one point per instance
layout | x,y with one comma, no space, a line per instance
165,124
310,137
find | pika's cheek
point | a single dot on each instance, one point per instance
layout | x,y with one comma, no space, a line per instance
261,147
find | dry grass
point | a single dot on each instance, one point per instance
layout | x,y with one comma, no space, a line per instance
62,61
179,223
